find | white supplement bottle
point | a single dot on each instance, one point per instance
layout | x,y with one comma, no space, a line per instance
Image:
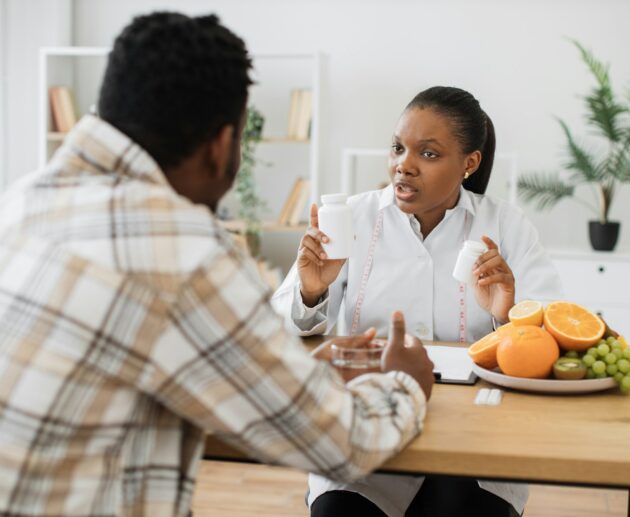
468,255
335,220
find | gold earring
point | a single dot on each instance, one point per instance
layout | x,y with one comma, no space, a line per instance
466,174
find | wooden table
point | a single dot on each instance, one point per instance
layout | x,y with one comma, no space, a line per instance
581,440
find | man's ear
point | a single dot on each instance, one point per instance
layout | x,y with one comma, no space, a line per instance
219,151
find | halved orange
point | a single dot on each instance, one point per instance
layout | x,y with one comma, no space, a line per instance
527,312
573,326
484,351
505,328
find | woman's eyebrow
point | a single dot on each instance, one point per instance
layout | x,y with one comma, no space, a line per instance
432,141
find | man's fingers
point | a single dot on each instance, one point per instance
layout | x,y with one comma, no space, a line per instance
412,342
397,329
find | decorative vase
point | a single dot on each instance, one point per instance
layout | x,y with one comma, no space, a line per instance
603,236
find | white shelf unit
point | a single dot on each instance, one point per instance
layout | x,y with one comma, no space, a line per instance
60,65
69,66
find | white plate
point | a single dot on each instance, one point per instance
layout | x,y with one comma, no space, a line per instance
544,385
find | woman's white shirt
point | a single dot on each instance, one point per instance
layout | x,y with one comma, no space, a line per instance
414,275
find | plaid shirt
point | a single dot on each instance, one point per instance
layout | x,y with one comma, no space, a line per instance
130,325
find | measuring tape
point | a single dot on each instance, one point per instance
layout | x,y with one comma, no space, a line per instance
376,232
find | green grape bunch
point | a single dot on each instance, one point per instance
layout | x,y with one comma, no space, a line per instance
608,358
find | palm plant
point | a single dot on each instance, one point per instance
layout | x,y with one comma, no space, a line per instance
604,168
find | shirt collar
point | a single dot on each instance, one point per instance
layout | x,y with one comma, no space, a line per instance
105,149
464,202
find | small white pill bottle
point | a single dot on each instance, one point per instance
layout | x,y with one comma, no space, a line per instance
335,220
468,255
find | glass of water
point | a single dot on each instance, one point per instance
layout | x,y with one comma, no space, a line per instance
352,362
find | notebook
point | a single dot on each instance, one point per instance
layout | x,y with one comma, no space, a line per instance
452,365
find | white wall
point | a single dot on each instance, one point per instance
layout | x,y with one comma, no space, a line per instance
29,24
512,55
3,96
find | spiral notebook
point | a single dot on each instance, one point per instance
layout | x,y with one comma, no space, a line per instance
452,365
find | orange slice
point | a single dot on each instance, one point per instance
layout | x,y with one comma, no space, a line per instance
527,312
573,326
484,351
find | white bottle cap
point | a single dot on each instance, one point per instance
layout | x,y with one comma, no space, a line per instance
475,247
334,198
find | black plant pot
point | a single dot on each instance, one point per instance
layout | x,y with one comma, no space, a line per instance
603,236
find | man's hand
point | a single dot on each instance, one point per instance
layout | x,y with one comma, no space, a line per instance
405,353
324,352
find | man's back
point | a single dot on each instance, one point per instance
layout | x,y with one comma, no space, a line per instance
92,250
130,324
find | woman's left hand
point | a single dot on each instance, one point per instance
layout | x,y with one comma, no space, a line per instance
494,287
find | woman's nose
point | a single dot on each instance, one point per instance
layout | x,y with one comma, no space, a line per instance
405,169
405,166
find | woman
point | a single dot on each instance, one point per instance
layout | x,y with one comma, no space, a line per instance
409,235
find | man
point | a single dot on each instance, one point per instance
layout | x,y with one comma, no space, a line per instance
130,324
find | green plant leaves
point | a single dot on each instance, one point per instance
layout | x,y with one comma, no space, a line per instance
580,160
603,111
610,118
245,185
545,189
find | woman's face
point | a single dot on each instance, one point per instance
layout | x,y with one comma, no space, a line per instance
426,163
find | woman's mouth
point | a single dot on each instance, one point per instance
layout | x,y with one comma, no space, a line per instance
405,192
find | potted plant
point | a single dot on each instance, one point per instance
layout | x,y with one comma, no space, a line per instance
604,167
250,204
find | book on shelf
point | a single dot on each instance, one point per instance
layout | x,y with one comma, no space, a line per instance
293,207
283,219
300,203
62,107
300,114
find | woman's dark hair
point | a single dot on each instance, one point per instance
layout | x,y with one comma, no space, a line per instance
473,128
173,81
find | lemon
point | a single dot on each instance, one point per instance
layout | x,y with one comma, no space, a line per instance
527,312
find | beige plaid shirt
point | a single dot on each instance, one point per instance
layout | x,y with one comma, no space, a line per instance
130,325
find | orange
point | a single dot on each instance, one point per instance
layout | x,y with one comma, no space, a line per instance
505,328
527,351
573,326
484,351
527,312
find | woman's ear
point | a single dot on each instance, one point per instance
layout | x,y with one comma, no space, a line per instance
471,164
219,152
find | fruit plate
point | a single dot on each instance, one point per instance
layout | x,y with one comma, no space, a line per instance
544,385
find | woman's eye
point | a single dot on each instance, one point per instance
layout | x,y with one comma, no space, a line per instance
396,148
429,154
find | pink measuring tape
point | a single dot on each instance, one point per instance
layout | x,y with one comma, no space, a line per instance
376,232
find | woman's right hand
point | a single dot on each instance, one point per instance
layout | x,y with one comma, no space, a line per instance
315,271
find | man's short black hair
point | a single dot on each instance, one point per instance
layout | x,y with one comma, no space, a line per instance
173,81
